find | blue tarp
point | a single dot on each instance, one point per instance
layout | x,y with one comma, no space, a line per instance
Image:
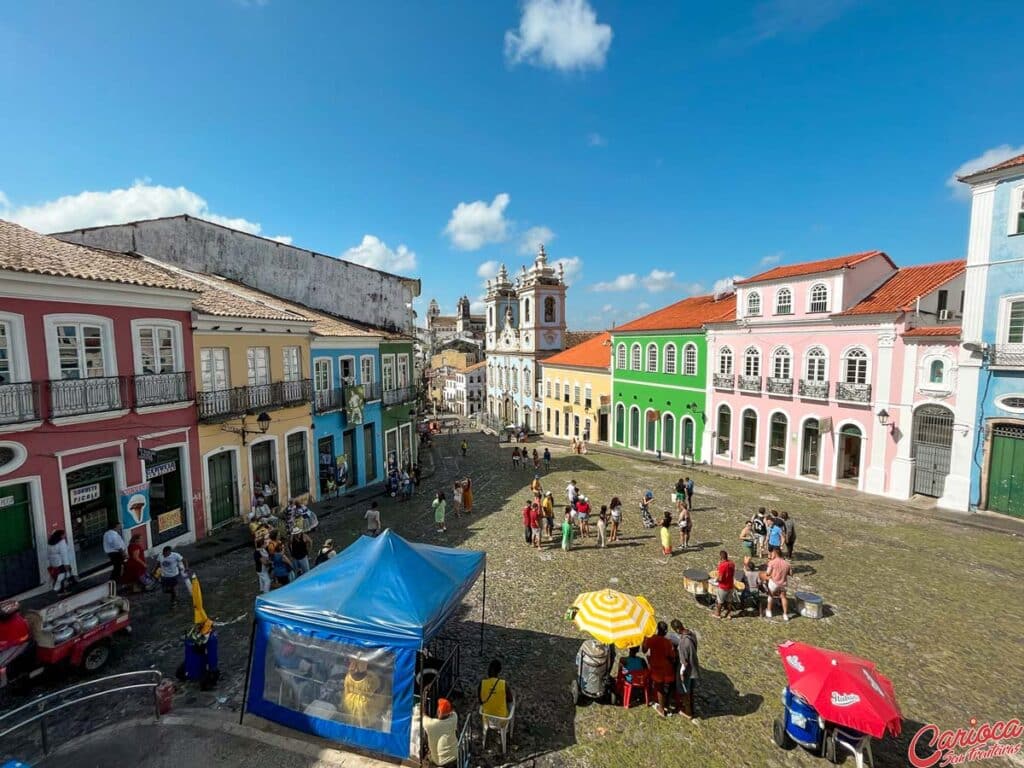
381,599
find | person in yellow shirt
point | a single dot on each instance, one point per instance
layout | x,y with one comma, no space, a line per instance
494,694
442,734
362,698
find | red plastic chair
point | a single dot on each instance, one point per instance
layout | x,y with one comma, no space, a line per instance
640,680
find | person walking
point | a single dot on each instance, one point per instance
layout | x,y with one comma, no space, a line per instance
535,517
547,459
684,528
615,508
567,530
439,511
372,517
527,524
58,561
172,570
536,460
723,592
464,447
515,457
789,527
689,493
572,493
602,522
115,549
457,498
689,667
680,494
666,535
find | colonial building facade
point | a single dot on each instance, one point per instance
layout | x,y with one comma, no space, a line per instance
577,391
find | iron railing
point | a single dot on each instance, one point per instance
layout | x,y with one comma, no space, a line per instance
77,397
238,401
399,395
19,403
163,388
1007,355
750,383
817,390
724,381
853,393
328,400
780,386
372,391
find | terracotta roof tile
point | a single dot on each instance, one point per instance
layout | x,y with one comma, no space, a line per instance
692,312
22,250
592,353
575,338
933,330
899,292
813,267
1013,162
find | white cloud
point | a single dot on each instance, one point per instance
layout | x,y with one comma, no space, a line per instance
473,225
643,305
986,159
559,34
596,140
141,200
534,237
621,283
488,270
789,19
725,284
771,259
659,280
285,239
374,252
478,307
608,308
573,267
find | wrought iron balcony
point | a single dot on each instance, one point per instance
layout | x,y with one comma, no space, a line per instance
724,381
19,403
750,383
780,386
816,390
77,397
1007,356
328,400
399,395
853,393
162,388
372,390
237,401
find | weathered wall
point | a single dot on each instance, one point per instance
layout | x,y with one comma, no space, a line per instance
313,279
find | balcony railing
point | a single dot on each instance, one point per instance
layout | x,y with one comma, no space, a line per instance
750,383
19,403
163,388
328,400
77,397
399,395
222,403
816,390
853,393
780,386
1007,355
372,391
724,381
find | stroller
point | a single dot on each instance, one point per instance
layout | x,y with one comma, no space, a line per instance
593,669
645,510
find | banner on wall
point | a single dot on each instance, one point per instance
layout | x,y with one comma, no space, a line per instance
355,399
135,505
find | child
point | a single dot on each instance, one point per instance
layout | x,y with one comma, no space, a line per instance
567,530
602,521
616,510
439,510
666,535
645,508
457,498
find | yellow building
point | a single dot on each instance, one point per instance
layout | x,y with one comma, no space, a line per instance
577,391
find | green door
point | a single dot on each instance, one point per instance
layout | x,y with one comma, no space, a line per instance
1006,470
223,504
19,566
688,438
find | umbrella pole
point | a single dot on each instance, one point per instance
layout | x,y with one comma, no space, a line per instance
248,671
483,612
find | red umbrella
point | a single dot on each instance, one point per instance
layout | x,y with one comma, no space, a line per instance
845,690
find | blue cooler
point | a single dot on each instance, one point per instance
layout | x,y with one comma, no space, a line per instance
200,658
802,723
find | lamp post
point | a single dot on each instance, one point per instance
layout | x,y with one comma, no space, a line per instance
262,421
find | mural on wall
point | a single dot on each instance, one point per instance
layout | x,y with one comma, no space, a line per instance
355,399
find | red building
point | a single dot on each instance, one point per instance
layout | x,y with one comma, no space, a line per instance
96,396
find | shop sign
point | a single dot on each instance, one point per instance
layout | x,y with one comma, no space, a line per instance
6,501
168,520
146,454
134,505
84,493
164,468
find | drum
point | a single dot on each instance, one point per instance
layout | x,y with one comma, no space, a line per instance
810,605
695,581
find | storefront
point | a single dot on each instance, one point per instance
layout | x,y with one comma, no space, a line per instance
264,471
167,496
326,463
19,561
93,504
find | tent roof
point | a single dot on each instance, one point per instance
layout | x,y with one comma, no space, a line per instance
382,588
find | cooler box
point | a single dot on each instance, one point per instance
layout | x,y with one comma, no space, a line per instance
199,658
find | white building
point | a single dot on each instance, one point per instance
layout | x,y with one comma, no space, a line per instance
464,389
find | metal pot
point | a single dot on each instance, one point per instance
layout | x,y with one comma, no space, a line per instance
88,622
63,633
108,612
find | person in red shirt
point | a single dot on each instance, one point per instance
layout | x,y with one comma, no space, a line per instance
527,528
726,575
535,524
662,660
15,639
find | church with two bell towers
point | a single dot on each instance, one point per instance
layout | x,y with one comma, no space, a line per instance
525,323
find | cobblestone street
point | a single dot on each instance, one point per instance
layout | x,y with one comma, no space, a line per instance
902,588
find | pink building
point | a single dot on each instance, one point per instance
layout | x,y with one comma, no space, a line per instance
96,396
843,371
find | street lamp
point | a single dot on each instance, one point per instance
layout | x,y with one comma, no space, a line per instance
886,420
262,421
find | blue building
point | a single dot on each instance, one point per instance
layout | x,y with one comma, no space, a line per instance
993,334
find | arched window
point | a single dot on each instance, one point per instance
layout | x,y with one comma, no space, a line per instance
652,358
753,304
635,358
855,366
748,436
936,372
620,423
620,357
817,365
526,311
819,298
670,358
668,432
752,362
634,427
784,302
725,361
723,430
690,360
781,364
549,309
777,440
490,315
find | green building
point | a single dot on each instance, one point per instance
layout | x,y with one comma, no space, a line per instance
660,377
399,402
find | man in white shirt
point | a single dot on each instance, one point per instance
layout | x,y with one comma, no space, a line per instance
115,549
372,519
442,734
172,570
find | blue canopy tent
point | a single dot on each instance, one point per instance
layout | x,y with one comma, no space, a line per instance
334,652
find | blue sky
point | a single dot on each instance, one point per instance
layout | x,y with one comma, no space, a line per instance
657,147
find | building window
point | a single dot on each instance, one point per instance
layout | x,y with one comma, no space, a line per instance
936,372
549,309
855,366
558,390
403,371
670,358
576,394
588,401
526,311
748,439
292,364
752,362
257,361
635,358
298,466
777,440
1015,323
620,423
753,304
367,370
156,349
723,430
784,302
347,369
321,374
819,298
81,350
725,361
547,389
1017,212
816,364
6,366
213,369
690,360
387,366
781,368
652,358
620,357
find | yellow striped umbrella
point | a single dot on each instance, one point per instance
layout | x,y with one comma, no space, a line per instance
615,618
